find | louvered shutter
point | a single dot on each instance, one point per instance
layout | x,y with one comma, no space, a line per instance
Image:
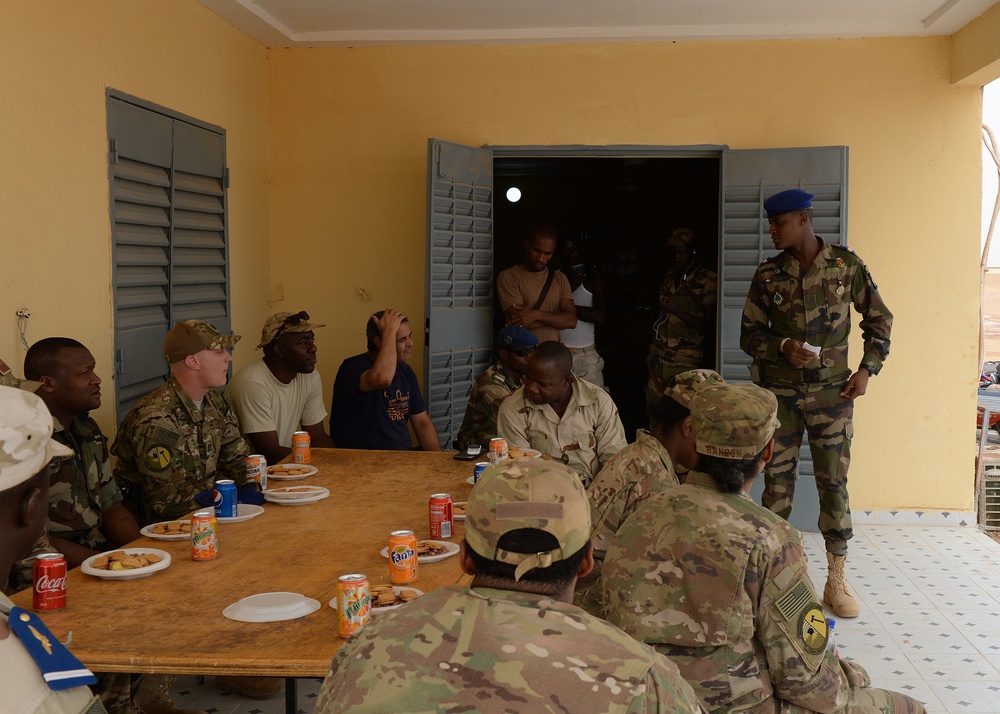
459,302
748,177
169,241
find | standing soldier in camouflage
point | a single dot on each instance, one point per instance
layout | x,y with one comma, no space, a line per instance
514,346
796,322
640,471
511,641
721,586
177,441
688,296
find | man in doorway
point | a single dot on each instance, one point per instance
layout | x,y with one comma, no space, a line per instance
376,393
561,415
686,326
590,301
534,296
281,393
795,325
514,345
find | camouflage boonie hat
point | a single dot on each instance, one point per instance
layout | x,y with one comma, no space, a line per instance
191,337
298,323
527,493
686,385
26,443
7,379
733,421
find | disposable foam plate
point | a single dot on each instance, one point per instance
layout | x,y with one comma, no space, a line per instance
148,532
396,589
449,550
271,607
87,567
244,512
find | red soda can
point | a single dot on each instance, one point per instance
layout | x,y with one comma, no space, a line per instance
204,536
441,515
498,450
301,447
402,557
49,592
257,470
354,603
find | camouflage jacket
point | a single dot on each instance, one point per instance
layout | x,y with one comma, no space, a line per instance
813,307
463,649
488,392
172,451
80,495
585,438
697,295
720,585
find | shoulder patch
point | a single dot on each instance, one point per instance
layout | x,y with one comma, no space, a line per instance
165,436
814,629
794,601
158,458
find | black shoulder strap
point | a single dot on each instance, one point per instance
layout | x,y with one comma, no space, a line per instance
545,289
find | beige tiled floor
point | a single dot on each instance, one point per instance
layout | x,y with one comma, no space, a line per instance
929,626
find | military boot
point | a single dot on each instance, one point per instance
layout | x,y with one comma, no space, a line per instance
836,594
153,696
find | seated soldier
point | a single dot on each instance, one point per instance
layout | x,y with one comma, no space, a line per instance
511,641
640,471
720,584
561,415
513,346
281,393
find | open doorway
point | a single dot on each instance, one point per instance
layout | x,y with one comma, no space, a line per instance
619,210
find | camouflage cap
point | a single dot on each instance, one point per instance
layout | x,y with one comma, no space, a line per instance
7,379
26,443
191,337
686,385
527,493
277,321
680,238
733,421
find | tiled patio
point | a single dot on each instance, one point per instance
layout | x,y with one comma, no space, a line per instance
929,625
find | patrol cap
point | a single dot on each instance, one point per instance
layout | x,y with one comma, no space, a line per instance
191,337
26,443
527,493
733,421
686,385
285,322
7,379
680,238
511,338
793,199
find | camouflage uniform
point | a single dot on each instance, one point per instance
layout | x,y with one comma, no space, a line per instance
487,394
464,649
587,435
813,306
720,585
172,451
632,476
677,347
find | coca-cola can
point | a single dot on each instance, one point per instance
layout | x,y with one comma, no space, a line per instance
49,592
442,517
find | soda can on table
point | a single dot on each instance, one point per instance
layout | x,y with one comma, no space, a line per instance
478,469
354,603
257,470
204,536
301,447
402,557
498,450
224,498
49,592
442,517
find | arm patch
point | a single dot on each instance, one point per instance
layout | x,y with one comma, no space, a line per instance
793,602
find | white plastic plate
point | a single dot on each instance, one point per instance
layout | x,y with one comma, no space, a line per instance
450,550
271,607
134,574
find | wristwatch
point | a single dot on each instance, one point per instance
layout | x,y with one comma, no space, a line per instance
868,368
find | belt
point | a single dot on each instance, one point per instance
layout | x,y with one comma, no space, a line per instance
581,349
795,374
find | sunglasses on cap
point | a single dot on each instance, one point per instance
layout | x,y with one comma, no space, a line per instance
291,321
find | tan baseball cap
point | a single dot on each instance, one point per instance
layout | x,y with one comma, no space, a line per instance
527,493
191,337
26,443
285,322
733,421
686,385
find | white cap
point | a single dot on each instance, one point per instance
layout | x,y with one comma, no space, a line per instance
26,443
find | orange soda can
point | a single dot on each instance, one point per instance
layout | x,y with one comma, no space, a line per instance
402,557
301,451
204,536
498,450
354,603
257,470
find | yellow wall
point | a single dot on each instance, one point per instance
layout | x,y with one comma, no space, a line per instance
348,156
56,60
